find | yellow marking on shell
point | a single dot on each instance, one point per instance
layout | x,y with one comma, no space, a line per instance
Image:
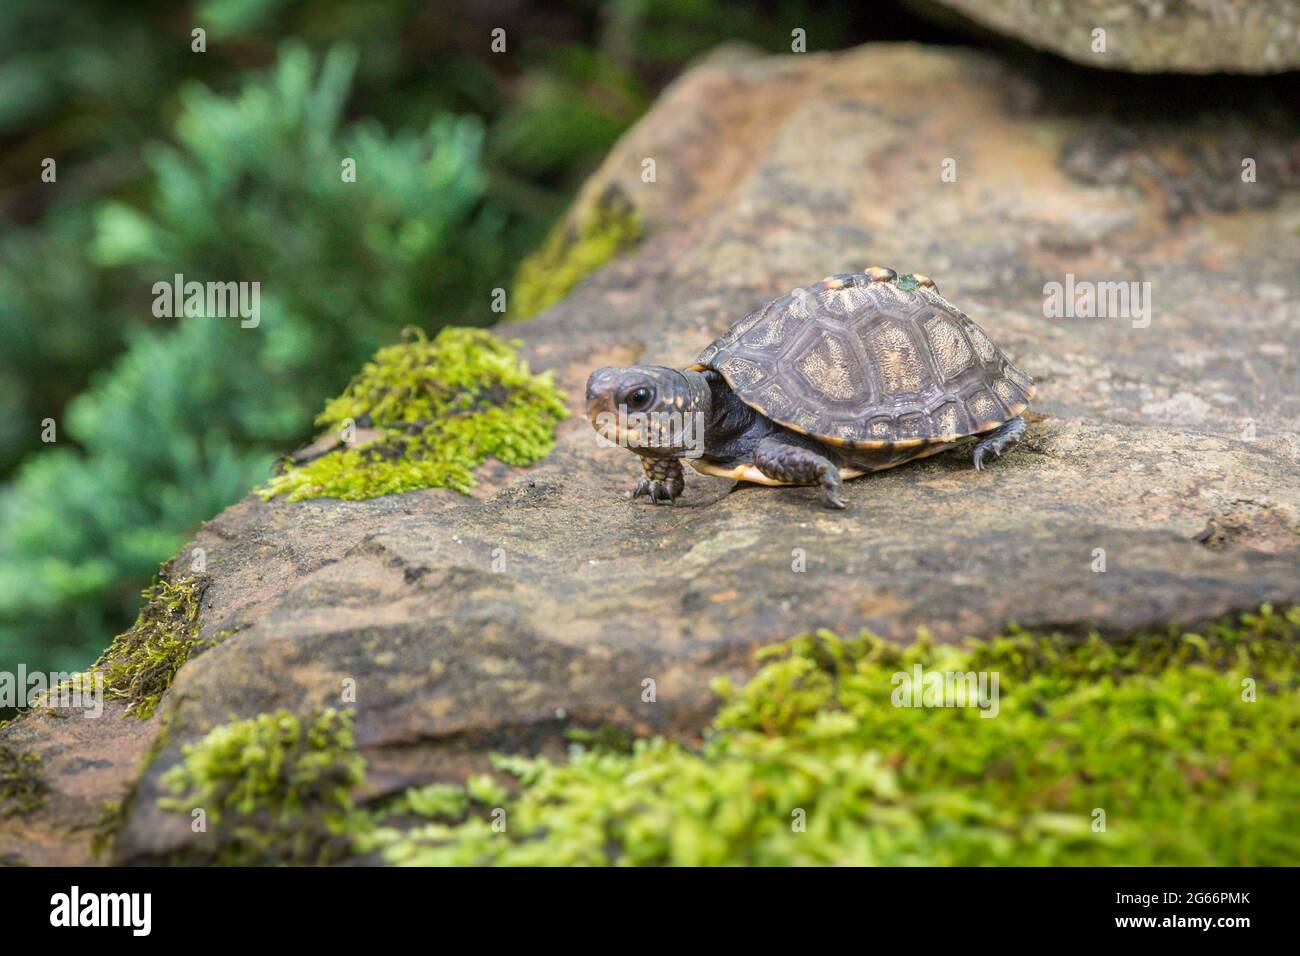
880,273
1016,410
951,352
984,347
831,282
741,373
845,300
752,474
697,367
924,282
827,365
924,453
982,406
1006,390
772,332
872,444
897,359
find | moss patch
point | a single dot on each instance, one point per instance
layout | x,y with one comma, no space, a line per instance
23,787
109,823
811,763
610,228
141,663
1186,741
431,411
275,789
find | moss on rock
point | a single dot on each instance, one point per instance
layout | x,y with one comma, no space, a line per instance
570,253
275,789
437,801
23,787
109,823
430,412
1167,748
141,663
1163,748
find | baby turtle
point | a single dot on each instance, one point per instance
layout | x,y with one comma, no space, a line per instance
857,373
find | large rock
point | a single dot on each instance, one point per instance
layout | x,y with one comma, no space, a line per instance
543,602
1149,36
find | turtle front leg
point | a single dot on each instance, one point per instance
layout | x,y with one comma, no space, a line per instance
786,461
997,440
663,480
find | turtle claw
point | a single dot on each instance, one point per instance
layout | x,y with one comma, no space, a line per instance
663,481
658,492
998,440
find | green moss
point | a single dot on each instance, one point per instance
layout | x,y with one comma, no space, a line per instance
438,801
23,787
1154,730
426,414
607,736
275,789
141,663
907,282
610,228
109,823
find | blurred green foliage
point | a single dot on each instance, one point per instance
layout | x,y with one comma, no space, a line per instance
193,414
225,165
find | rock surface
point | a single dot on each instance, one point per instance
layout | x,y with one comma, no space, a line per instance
543,602
1141,36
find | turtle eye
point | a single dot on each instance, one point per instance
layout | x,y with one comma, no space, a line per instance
639,397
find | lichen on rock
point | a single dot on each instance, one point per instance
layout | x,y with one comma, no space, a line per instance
425,413
275,788
572,252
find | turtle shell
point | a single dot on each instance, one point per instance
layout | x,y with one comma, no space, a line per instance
870,360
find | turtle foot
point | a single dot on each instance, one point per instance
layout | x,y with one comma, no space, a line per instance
663,482
793,460
659,492
997,441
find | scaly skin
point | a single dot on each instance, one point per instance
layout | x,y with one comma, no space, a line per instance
997,440
663,480
778,457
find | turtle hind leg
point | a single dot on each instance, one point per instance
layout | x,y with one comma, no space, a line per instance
784,460
997,440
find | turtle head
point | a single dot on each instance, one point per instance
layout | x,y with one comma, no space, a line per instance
655,411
